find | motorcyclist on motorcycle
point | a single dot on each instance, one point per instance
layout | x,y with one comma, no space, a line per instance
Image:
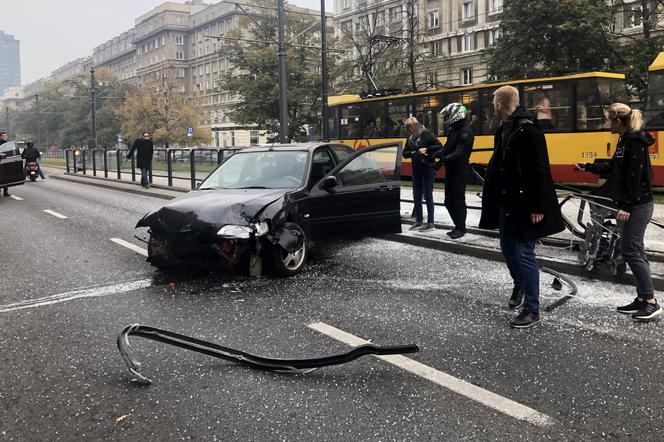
31,155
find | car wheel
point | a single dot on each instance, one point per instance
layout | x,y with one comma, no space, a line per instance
284,263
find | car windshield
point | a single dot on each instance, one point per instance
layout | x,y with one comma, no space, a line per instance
259,170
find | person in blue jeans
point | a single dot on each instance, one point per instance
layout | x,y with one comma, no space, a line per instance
520,200
631,190
421,147
144,150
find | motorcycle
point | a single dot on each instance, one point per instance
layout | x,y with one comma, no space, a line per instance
32,171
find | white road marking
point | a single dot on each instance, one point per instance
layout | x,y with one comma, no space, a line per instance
130,246
485,397
17,198
115,289
55,214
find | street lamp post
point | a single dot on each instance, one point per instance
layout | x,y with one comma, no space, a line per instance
37,118
325,130
283,95
93,104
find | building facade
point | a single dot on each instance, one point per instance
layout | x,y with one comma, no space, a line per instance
10,68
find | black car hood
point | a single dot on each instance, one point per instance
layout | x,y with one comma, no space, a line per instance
211,209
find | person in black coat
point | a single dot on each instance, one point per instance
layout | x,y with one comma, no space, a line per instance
454,156
519,198
144,149
630,187
421,147
3,140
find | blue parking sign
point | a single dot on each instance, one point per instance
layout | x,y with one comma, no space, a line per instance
190,131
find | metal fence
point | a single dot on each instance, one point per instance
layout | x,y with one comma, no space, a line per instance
192,165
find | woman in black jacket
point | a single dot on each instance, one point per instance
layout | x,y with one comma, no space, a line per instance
631,189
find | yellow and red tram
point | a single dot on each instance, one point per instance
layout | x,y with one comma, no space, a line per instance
570,108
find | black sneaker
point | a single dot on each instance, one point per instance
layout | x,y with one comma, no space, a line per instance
648,312
516,299
632,307
427,227
525,319
457,233
415,226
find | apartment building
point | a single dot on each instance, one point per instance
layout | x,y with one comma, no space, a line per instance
118,55
451,34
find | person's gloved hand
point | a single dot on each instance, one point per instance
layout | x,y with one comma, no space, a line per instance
129,156
438,164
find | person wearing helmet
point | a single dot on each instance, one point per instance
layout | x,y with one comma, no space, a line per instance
31,155
454,156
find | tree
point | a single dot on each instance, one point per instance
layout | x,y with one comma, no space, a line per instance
642,39
542,39
166,114
64,112
254,79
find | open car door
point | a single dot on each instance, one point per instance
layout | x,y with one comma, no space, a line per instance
361,196
11,165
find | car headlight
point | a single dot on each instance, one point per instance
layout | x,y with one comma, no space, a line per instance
239,232
261,228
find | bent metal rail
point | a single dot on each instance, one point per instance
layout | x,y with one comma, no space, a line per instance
172,164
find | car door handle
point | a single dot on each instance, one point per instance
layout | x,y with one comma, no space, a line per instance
383,188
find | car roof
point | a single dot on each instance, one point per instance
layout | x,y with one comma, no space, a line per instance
286,147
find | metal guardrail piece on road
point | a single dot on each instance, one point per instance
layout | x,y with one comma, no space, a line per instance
243,358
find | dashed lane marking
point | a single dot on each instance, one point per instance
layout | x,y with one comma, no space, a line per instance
99,291
17,198
55,214
130,246
485,397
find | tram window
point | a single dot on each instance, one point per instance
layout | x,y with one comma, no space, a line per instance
491,120
397,112
426,111
655,105
592,97
333,122
373,119
349,122
551,105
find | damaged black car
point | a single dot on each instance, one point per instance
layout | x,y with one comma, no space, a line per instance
263,208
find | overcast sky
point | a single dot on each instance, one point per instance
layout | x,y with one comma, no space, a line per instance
54,32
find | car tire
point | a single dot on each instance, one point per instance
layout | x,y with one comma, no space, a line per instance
283,263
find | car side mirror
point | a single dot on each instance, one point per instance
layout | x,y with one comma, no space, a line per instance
329,182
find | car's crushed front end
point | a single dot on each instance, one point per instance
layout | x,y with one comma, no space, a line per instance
211,230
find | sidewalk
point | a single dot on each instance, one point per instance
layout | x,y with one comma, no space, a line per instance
475,243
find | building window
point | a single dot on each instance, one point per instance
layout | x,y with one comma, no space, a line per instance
466,76
395,15
494,35
180,73
179,40
495,6
214,66
431,79
634,16
468,43
346,4
468,10
207,68
347,27
363,22
253,137
435,48
380,18
179,55
433,19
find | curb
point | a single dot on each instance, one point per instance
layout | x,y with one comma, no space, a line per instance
496,255
105,183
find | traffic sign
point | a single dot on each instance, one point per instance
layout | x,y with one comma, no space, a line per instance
190,131
119,138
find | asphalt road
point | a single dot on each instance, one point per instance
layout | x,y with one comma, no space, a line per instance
584,372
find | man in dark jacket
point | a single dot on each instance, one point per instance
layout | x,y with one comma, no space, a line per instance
144,149
31,155
454,156
3,140
421,146
520,200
